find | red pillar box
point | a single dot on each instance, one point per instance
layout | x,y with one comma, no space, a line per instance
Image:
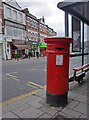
57,70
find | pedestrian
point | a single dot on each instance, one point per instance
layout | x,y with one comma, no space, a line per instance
29,54
17,57
37,54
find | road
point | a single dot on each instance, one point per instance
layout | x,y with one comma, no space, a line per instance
24,76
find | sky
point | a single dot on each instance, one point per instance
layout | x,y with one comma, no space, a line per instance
54,17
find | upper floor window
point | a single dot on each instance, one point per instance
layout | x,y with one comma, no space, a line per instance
32,23
29,22
41,28
35,25
45,29
32,36
36,35
14,15
8,12
29,35
20,17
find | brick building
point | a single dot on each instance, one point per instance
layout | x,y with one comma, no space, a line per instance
36,31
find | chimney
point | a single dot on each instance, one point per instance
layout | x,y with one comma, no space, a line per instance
26,10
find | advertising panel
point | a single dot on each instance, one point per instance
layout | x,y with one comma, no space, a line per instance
76,35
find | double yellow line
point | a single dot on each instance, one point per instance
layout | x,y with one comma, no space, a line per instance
12,76
34,85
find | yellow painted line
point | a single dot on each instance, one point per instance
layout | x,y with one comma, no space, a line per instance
36,84
10,75
32,70
16,79
18,98
5,78
32,86
44,86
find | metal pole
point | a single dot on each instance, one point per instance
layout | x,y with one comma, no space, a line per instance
66,25
83,43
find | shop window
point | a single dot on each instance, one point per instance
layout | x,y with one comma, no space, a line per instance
15,32
9,30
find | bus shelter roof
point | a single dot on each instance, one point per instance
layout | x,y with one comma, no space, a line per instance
77,8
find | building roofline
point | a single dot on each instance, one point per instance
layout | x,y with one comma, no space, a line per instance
12,7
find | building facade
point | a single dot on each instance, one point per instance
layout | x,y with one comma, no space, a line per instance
1,34
31,32
14,30
23,32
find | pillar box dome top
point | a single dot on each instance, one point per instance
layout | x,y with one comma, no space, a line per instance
64,40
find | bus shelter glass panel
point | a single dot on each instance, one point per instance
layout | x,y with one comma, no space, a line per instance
73,63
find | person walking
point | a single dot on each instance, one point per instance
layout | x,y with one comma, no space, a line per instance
29,54
37,54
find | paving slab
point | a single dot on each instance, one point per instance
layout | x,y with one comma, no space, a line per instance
81,98
31,112
10,107
49,110
35,102
20,108
45,115
27,99
41,94
71,113
9,115
82,108
72,95
83,116
72,104
43,102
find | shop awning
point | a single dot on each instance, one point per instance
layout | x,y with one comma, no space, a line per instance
21,47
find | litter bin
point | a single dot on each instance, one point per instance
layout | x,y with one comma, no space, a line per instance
57,70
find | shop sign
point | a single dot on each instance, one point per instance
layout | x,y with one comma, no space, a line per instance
43,44
34,43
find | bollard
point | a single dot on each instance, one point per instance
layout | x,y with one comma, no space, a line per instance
57,70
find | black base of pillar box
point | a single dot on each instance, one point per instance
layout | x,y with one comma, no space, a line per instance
56,100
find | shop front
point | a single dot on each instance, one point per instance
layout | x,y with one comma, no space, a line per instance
18,48
43,47
33,47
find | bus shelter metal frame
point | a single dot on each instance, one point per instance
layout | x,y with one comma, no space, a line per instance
73,8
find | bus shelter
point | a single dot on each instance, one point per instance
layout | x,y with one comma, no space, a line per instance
77,27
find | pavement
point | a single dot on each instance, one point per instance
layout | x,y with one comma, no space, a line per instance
34,105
